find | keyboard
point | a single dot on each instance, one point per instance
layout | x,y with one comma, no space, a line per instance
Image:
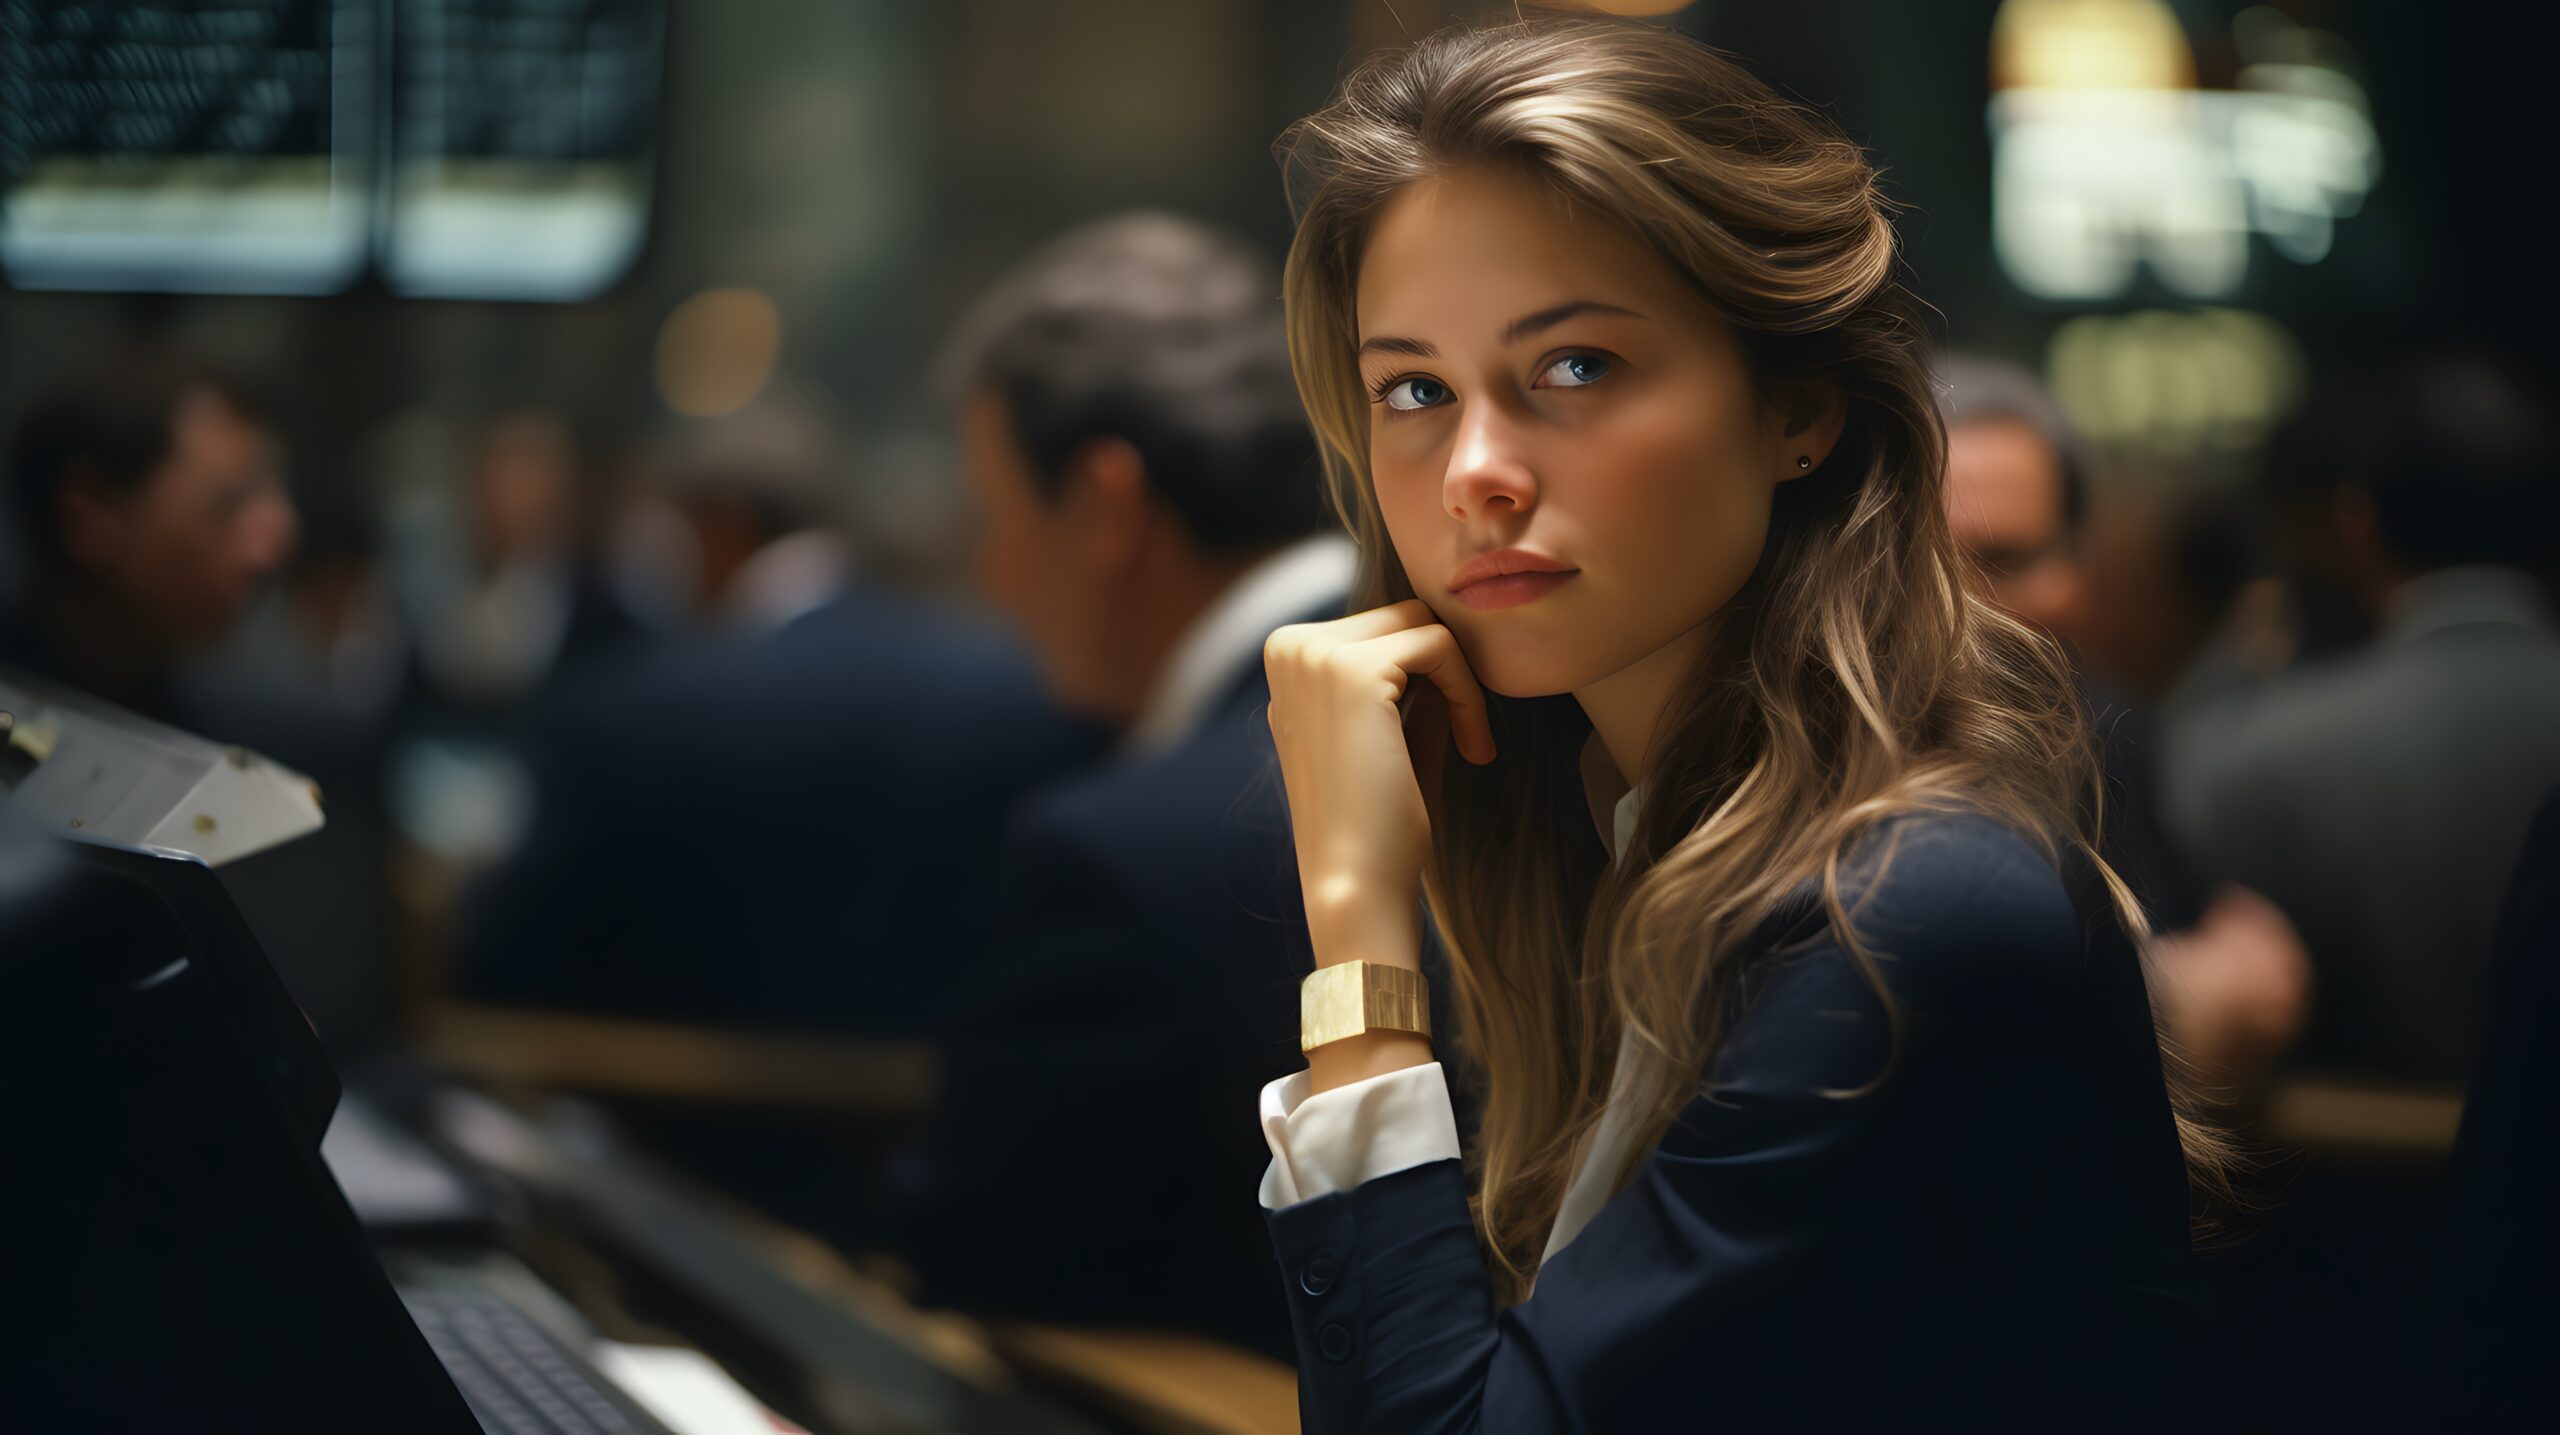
517,1377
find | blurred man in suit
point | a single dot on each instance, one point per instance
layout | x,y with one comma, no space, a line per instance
2381,798
148,488
2235,979
1152,510
779,821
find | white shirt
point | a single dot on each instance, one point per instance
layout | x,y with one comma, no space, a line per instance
787,578
1229,634
2470,593
1334,1140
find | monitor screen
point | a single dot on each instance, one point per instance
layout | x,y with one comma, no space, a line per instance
456,148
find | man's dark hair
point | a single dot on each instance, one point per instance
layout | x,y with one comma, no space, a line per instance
1158,332
1976,390
2462,469
112,421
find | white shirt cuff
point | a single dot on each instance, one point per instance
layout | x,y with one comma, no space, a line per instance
1334,1140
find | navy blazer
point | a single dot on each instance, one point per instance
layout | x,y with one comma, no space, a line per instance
1969,1202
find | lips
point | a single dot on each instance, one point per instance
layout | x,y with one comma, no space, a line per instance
1508,578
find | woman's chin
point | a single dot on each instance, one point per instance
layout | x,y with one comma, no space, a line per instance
1522,675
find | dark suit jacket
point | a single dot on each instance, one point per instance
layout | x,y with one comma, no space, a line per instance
784,830
1098,1122
2380,799
2503,1257
1997,1229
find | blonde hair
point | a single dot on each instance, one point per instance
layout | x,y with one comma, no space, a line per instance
1858,677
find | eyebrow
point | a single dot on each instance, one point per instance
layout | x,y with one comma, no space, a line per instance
1526,326
1530,324
1414,347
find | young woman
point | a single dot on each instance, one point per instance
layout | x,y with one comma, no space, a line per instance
1816,1072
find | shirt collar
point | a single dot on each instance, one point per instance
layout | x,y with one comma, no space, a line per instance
1228,635
2464,596
1614,804
785,579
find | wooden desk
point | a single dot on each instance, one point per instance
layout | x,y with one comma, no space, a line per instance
2325,1116
1175,1384
611,1056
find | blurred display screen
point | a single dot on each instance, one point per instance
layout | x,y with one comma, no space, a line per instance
468,148
520,138
184,147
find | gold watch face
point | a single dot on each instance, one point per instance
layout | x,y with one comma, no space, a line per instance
1350,998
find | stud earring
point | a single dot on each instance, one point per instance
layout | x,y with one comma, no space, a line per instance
1804,460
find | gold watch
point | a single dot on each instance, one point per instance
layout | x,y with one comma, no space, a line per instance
1348,998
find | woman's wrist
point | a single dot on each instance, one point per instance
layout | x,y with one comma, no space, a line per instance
1357,1058
1349,920
1354,919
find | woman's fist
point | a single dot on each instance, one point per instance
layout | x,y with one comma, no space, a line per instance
1338,721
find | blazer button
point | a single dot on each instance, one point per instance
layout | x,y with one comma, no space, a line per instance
1317,1277
1335,1341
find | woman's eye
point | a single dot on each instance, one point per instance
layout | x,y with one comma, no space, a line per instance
1406,395
1573,371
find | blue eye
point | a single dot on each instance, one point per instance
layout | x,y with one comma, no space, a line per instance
1573,371
1406,395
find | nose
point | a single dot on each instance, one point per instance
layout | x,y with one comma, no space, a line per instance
1489,474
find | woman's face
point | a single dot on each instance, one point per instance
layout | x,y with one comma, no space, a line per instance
1548,394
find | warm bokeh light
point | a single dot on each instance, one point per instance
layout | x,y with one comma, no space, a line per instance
717,351
2089,45
2177,384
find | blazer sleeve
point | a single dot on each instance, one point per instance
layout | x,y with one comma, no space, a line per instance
1844,1167
1394,1311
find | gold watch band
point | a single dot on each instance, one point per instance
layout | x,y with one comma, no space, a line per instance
1348,998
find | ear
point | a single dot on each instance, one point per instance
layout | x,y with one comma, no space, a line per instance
1805,422
1104,496
89,519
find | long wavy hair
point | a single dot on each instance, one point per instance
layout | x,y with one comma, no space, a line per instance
1855,676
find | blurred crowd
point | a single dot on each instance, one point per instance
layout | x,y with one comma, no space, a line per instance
642,725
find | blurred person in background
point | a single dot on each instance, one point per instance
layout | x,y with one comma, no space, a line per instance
1151,511
2380,798
520,601
2325,606
148,489
740,515
2236,977
776,822
509,610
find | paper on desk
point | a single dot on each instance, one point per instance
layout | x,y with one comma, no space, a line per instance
81,765
686,1391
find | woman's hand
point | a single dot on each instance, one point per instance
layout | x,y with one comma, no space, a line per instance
1350,755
